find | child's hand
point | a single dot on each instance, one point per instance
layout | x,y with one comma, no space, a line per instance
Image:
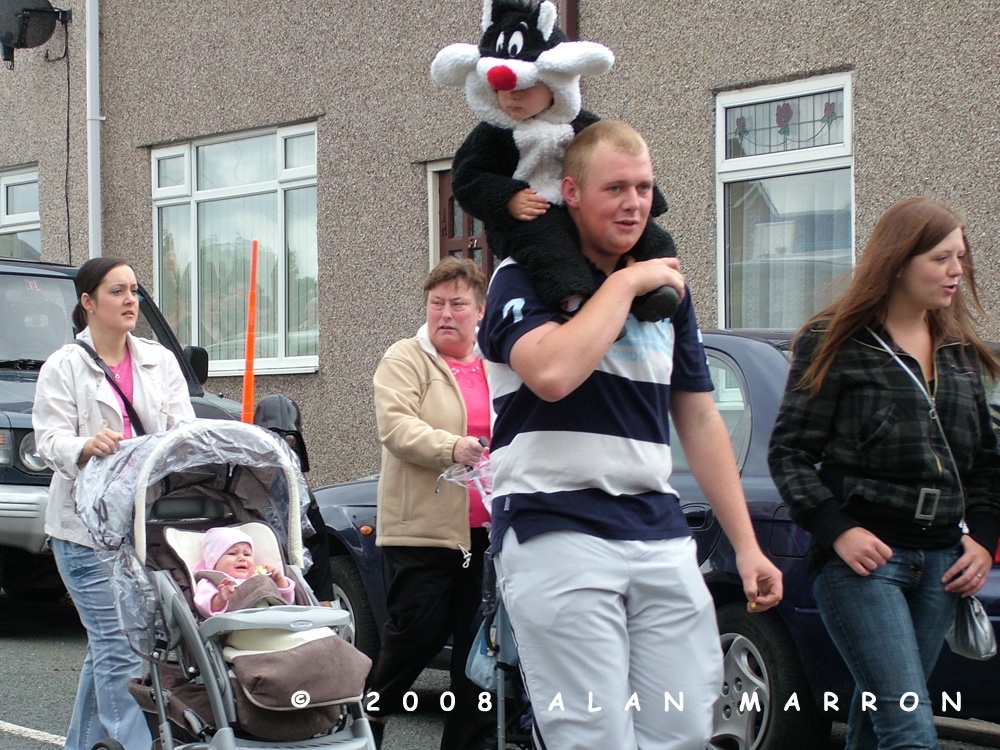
527,205
277,576
226,588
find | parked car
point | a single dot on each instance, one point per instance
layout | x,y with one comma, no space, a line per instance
36,304
784,655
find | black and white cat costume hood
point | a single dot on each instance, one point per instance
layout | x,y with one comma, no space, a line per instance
522,45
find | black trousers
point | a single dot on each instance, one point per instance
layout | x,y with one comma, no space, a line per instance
431,597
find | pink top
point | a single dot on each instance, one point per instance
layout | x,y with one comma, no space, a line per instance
471,379
123,378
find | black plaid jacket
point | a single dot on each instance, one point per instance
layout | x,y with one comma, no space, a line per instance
868,436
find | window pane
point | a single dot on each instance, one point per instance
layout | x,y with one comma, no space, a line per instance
22,198
36,316
300,151
787,239
176,256
170,172
204,244
458,218
225,229
733,406
785,124
243,162
301,271
26,245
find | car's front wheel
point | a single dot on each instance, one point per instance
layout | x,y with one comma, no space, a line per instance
349,593
761,672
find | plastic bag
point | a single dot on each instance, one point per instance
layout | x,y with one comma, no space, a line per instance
478,477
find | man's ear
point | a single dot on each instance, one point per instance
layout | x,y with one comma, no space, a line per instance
570,192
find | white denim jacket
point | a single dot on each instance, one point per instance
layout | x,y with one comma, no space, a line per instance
73,401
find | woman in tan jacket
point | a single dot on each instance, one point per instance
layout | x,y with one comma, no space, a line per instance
433,410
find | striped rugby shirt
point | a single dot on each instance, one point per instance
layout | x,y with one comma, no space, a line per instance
598,461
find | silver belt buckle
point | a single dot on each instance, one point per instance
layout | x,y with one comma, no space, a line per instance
928,496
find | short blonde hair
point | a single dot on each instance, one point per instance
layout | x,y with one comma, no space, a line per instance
451,269
621,136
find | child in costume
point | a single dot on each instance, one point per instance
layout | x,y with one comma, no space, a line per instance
523,80
227,565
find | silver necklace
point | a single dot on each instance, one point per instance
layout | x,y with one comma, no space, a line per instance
116,370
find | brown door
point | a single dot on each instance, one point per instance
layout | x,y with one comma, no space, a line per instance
462,235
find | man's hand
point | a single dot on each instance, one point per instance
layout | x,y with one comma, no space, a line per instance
762,582
862,550
667,271
527,205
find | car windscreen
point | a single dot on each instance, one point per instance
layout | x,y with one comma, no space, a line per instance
36,318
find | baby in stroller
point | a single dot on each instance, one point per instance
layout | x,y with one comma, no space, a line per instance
242,678
227,562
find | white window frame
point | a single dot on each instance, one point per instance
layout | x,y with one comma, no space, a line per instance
188,194
22,221
434,170
798,161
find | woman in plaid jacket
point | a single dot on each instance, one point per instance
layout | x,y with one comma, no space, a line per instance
866,469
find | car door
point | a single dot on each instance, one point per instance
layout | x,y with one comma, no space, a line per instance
732,400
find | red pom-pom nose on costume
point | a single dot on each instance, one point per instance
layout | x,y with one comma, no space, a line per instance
502,78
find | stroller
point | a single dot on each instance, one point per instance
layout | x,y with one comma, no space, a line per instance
493,662
269,677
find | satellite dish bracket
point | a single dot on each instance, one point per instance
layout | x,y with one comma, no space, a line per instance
24,17
26,34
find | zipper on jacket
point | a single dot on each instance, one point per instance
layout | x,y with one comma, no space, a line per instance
932,394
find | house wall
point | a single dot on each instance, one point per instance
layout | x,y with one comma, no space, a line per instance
926,112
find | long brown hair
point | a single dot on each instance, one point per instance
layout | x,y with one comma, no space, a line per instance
911,227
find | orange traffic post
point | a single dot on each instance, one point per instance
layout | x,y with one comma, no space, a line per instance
251,325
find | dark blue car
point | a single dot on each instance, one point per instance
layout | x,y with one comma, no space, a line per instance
784,680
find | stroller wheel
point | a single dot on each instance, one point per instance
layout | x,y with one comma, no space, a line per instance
108,744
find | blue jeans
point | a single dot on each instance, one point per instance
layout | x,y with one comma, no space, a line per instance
889,627
104,707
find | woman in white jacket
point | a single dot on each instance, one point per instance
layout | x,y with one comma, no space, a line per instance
77,415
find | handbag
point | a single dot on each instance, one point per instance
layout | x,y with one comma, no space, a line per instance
137,427
481,666
971,633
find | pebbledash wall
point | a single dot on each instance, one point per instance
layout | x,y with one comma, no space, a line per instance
926,112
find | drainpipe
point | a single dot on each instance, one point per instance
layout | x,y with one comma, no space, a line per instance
94,120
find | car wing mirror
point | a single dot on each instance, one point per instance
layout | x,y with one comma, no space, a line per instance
197,357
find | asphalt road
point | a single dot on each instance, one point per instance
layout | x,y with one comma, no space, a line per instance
42,648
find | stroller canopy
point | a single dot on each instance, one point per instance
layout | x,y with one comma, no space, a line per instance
113,494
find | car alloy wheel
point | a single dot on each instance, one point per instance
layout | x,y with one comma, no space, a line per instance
761,671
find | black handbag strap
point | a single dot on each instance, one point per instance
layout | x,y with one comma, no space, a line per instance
136,422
